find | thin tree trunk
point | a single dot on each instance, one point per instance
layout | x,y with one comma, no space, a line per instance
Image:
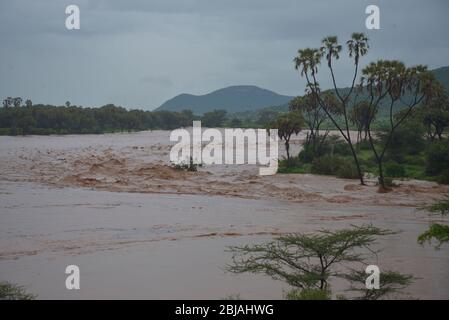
381,175
347,138
356,160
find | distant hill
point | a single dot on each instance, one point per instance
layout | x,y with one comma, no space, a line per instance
236,99
232,99
442,74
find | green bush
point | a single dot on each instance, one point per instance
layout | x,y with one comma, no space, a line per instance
307,154
443,177
394,170
331,146
308,294
294,162
10,291
363,145
418,160
310,152
328,165
407,139
4,131
335,166
304,168
348,171
437,157
338,146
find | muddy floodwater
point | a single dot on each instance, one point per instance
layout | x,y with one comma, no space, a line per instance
137,228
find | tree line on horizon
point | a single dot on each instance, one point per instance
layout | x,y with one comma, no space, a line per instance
22,117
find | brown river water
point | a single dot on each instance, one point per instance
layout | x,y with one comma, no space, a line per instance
138,228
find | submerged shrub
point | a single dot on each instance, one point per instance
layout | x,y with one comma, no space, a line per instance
186,166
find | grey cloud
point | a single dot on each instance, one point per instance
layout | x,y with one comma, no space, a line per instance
140,53
157,81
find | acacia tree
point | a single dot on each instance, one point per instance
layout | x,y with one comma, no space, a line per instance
308,61
390,283
309,261
288,124
391,82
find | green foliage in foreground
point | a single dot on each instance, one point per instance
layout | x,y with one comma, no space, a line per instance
391,283
441,207
307,262
10,291
438,232
308,294
438,157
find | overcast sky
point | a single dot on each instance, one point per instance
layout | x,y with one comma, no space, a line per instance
139,53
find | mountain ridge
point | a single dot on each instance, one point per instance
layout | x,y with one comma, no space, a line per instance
239,98
232,99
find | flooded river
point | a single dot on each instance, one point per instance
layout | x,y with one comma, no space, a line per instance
137,228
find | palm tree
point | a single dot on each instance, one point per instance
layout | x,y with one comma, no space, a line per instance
308,61
391,79
7,102
17,102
